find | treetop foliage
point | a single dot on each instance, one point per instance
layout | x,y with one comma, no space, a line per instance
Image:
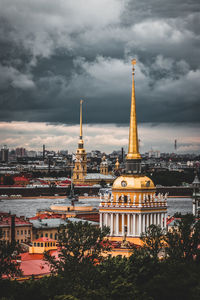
83,272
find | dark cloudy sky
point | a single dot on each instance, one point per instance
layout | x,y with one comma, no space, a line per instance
53,53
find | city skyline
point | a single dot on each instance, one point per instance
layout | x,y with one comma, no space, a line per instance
54,54
104,137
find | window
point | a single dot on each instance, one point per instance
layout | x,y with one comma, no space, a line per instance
55,236
125,199
51,235
38,244
77,176
41,244
17,232
41,234
46,234
8,233
22,232
29,232
21,241
35,244
25,232
45,244
51,244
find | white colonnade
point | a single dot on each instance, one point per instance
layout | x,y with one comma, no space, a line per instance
136,223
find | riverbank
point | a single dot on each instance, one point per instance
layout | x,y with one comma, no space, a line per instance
23,192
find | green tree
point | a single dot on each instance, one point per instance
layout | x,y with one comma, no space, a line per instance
153,240
9,267
183,241
79,242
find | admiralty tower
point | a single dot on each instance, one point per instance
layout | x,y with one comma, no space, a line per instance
133,205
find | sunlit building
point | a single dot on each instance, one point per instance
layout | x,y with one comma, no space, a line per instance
80,175
133,205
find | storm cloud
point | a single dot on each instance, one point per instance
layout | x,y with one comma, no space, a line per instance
53,53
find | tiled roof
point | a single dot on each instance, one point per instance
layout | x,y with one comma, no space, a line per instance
5,220
45,216
44,239
21,179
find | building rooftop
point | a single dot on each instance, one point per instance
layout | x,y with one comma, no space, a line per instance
5,220
56,222
93,176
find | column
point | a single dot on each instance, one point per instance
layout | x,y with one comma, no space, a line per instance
151,218
140,224
128,224
122,224
111,224
154,222
147,223
144,223
133,226
100,220
117,224
162,220
106,219
165,225
157,219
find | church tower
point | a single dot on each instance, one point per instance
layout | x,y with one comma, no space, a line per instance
104,166
133,204
80,167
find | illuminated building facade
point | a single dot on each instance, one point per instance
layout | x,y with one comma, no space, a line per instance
80,175
80,167
133,205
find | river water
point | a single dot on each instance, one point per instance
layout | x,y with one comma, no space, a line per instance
29,207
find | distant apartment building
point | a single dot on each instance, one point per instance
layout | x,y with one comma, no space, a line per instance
154,154
4,154
20,152
15,228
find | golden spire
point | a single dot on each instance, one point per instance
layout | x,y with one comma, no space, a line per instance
81,131
80,144
133,152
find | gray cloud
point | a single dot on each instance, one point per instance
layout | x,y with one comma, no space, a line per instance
54,53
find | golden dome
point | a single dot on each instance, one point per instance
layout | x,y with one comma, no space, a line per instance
131,182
